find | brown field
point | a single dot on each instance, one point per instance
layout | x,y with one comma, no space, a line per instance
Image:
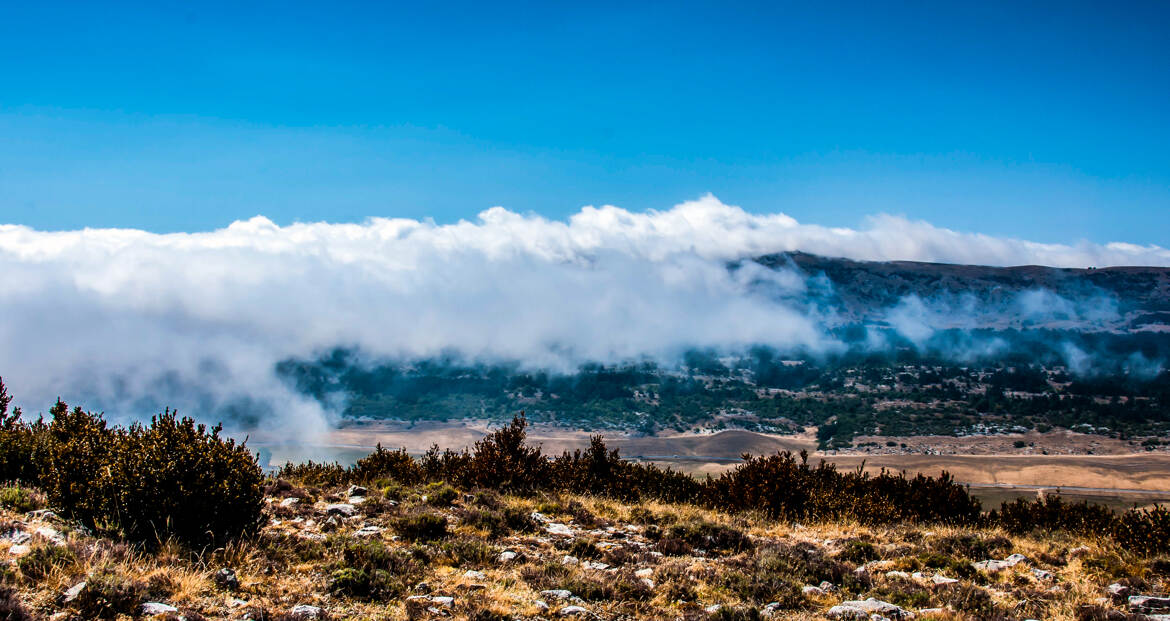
1121,476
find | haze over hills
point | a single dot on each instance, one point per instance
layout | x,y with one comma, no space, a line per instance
217,323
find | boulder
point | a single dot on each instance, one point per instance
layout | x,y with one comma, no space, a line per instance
226,578
151,609
306,612
343,509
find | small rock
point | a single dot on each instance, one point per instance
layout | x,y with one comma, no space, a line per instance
356,490
1043,574
898,574
828,587
556,594
367,531
645,572
151,609
993,565
1078,551
288,502
937,579
226,579
812,591
19,549
443,601
713,609
876,606
595,566
472,574
343,509
73,592
574,611
43,514
540,517
541,605
847,613
1148,603
556,528
304,611
52,534
507,556
570,560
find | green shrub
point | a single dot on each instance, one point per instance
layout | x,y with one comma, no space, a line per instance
421,527
108,595
170,479
370,570
440,494
395,465
857,551
42,560
20,499
11,609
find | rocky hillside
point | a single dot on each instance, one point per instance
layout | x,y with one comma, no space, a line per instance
433,552
864,291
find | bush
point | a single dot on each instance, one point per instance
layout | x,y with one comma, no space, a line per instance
107,595
170,479
20,499
42,560
11,609
370,570
421,527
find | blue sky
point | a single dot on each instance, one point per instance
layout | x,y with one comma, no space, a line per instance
1042,121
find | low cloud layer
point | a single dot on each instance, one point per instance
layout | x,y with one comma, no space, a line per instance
131,321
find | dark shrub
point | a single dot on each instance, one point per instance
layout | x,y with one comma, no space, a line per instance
395,465
41,560
857,551
710,537
21,499
421,527
370,570
11,609
108,595
176,478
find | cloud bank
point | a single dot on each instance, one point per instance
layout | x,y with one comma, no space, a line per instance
130,321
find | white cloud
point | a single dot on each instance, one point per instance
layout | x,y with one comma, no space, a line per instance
136,320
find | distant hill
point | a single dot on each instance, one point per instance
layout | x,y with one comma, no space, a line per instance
863,291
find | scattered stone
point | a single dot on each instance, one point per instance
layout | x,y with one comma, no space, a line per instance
507,556
713,609
443,601
52,534
645,572
73,592
1119,590
812,591
938,579
44,514
595,566
151,609
541,605
993,565
472,574
304,611
1043,574
868,607
574,611
288,502
343,509
356,490
898,574
570,561
540,517
226,579
556,594
1148,603
367,531
19,549
847,613
828,587
556,528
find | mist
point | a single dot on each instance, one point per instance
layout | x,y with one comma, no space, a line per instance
129,322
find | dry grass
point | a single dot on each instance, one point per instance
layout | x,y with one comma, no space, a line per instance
294,559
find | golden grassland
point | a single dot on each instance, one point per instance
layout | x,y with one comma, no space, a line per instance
651,569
